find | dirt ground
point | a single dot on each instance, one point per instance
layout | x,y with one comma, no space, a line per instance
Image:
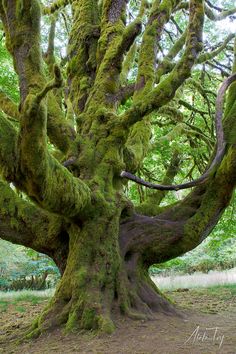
208,326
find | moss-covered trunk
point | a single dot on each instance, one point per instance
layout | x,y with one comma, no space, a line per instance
99,281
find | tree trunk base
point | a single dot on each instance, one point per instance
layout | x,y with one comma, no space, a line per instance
93,310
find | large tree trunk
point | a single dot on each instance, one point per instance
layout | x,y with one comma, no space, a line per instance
99,282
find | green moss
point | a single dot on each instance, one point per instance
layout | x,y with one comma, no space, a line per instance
89,319
19,8
72,322
105,325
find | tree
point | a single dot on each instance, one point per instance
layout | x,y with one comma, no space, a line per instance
81,123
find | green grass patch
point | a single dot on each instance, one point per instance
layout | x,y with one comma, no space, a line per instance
20,309
3,306
34,299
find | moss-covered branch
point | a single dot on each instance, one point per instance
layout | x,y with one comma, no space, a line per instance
43,178
8,106
220,16
23,223
166,89
185,225
82,48
159,16
106,86
137,144
8,149
208,56
22,27
49,56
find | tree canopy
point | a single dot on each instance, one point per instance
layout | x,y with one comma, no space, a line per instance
132,97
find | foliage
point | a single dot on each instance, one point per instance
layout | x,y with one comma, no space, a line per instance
22,268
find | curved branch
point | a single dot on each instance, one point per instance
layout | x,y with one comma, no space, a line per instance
43,178
219,151
185,225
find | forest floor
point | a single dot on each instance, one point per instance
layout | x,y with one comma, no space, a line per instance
208,326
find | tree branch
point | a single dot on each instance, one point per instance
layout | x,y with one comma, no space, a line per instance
166,65
208,56
166,89
25,224
219,17
43,178
8,151
24,45
220,151
159,16
58,4
8,106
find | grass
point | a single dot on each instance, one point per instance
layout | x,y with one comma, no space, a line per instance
19,298
230,287
3,306
26,296
196,280
33,296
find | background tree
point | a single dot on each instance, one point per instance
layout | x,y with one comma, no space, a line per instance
84,119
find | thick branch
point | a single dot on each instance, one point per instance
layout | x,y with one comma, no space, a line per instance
159,16
44,179
24,45
82,48
185,225
8,106
8,151
24,224
115,41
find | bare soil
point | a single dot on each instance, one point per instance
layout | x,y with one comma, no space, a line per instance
208,325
